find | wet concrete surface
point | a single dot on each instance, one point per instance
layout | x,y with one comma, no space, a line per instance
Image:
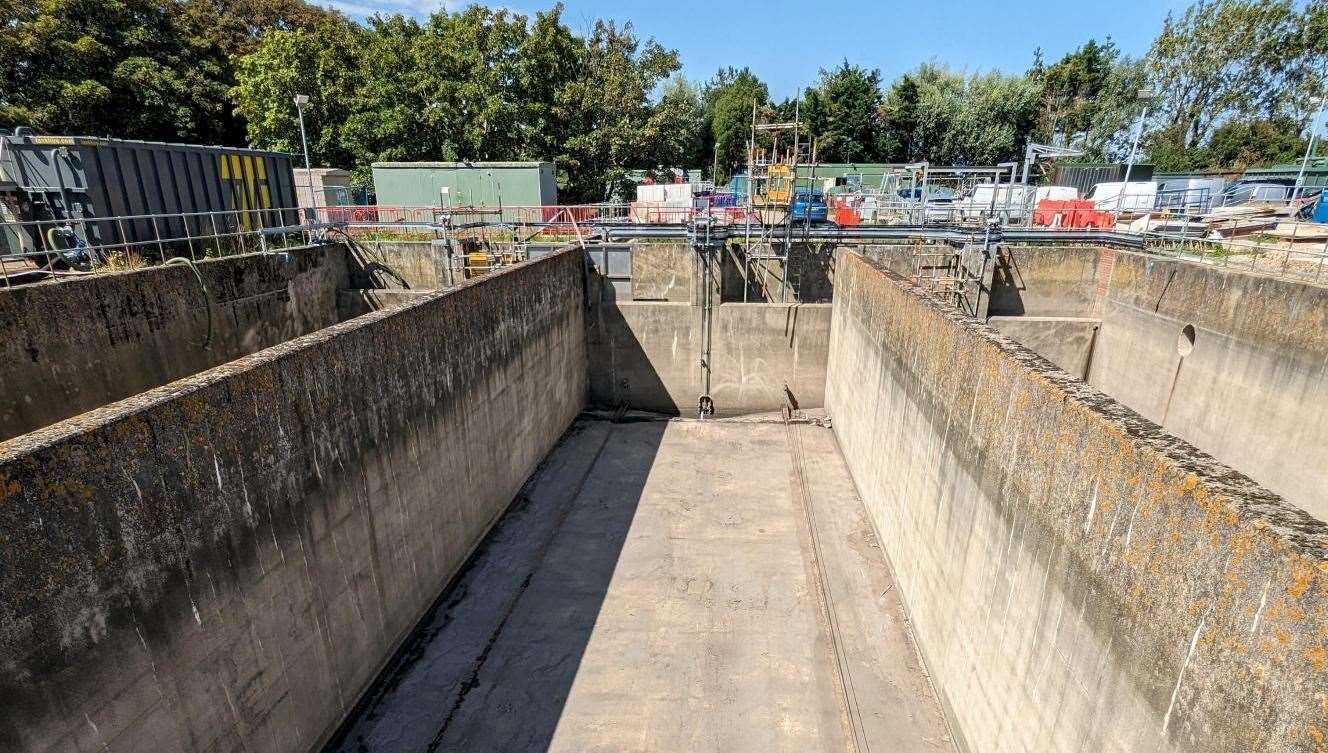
667,586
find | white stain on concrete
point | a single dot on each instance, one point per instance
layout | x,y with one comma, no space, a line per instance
1180,678
1263,602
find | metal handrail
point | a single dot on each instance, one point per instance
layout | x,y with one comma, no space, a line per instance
89,245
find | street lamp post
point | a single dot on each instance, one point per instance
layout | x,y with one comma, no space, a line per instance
300,101
1145,98
1309,148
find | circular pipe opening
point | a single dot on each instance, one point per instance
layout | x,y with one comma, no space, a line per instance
1185,341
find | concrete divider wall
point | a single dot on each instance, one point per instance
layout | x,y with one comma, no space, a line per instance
663,272
1045,281
70,346
415,265
648,355
1251,389
223,564
1065,341
1077,579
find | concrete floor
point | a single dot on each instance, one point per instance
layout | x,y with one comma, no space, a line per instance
667,586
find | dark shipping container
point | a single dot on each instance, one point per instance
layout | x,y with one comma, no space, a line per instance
1084,177
85,180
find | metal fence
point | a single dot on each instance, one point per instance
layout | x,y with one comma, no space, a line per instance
34,250
1302,260
37,249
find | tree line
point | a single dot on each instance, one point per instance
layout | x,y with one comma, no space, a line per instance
1235,81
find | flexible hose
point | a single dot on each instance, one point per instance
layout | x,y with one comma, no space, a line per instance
378,265
207,297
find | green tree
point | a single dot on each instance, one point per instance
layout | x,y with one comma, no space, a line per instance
944,117
237,27
1071,88
1238,144
675,125
321,64
1235,145
1225,58
610,101
728,99
382,110
467,77
899,121
844,114
132,68
548,61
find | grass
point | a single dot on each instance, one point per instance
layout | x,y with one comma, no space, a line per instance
121,261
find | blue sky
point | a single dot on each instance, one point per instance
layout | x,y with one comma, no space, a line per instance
786,43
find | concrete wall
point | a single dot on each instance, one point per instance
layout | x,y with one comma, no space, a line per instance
663,272
1045,281
810,274
357,302
398,264
224,563
1252,391
648,356
74,345
1065,341
1077,579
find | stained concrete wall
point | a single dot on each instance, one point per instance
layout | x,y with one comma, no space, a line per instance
416,265
648,355
1046,281
810,270
223,564
1077,579
70,346
663,272
1065,341
1251,391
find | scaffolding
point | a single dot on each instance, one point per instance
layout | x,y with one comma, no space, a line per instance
773,182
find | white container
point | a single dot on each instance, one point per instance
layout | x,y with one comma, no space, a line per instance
1055,193
1135,196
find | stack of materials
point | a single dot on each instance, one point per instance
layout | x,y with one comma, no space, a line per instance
1246,219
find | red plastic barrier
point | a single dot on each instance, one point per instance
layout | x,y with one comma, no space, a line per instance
846,216
1075,214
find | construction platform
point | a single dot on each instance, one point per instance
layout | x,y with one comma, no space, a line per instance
626,603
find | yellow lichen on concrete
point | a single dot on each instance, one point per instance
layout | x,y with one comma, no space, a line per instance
8,487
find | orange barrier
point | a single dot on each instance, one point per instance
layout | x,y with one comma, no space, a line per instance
845,215
1071,213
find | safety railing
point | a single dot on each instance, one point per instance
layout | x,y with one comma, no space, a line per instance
1299,252
32,250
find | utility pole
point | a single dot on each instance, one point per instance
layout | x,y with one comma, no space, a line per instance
300,101
1309,148
1145,98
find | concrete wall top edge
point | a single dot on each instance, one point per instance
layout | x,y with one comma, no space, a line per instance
16,448
1253,502
101,277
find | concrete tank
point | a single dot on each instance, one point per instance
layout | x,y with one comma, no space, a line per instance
466,520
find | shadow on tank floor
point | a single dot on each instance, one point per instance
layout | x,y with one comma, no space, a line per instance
667,585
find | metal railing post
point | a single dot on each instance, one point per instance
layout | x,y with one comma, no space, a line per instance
156,232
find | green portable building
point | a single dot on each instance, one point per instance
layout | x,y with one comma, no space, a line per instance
1316,173
488,185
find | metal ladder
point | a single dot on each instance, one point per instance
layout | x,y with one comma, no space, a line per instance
939,273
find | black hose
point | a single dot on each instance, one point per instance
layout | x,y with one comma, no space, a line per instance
207,297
